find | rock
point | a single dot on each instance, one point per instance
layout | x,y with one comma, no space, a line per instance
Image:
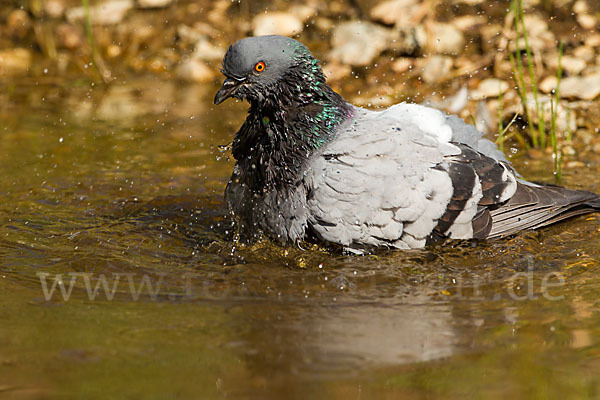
539,36
303,11
571,65
14,62
585,88
154,3
206,51
194,70
401,13
335,71
548,84
69,36
408,41
358,42
445,39
113,51
585,53
54,8
402,65
109,13
490,87
587,21
585,17
467,22
276,23
193,34
18,24
324,24
434,69
593,40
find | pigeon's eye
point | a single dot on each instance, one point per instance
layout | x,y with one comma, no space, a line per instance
259,67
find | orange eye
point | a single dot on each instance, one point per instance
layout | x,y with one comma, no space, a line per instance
259,67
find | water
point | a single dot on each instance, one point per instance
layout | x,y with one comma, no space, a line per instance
126,184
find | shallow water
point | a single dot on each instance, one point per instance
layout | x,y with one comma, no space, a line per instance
125,184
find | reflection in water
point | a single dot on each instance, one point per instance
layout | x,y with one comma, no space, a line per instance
143,196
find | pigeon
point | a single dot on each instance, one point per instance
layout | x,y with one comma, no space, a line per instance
311,166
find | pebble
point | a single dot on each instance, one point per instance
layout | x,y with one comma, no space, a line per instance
586,53
467,22
335,71
206,51
14,62
194,70
539,36
108,13
490,87
276,23
303,11
18,24
434,69
401,13
593,40
54,8
570,64
584,16
69,36
445,39
585,88
358,42
548,84
154,3
402,65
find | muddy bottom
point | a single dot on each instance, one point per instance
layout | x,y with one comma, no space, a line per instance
120,276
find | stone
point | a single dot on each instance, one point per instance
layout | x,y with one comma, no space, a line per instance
204,50
548,84
193,34
18,23
434,69
467,22
358,42
490,87
445,39
587,21
571,65
402,65
14,62
401,13
108,13
593,40
194,70
303,11
335,71
585,88
276,23
539,36
154,3
54,8
585,53
69,36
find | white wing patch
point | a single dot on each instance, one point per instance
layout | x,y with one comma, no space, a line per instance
428,120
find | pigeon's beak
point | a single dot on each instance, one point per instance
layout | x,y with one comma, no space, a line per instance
227,90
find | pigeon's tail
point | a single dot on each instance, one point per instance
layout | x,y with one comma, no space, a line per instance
534,206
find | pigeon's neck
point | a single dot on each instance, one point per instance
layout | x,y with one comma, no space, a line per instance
283,130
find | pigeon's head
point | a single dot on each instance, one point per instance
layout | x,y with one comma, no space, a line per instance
257,67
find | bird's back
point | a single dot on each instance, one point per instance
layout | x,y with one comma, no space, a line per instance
410,174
